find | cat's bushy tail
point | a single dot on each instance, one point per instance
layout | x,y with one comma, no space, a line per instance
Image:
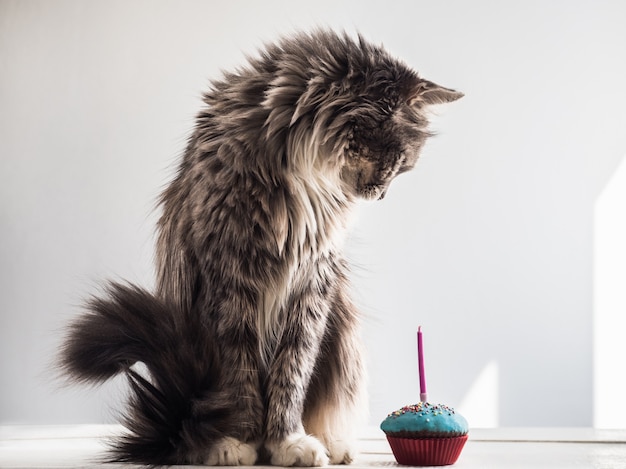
175,409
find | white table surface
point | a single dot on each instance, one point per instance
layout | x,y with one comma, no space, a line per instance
79,446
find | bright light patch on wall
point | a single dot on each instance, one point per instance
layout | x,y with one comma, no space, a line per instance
610,303
480,405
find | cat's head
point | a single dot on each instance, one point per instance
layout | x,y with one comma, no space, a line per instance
368,110
387,135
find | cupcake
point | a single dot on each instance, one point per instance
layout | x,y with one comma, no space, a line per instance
425,434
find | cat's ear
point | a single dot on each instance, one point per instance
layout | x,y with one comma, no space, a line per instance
427,92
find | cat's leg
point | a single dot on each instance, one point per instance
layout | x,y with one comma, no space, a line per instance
336,404
289,375
238,344
239,446
237,340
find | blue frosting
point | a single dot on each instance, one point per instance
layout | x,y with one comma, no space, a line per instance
425,417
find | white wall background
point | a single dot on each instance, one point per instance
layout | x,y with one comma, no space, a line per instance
488,244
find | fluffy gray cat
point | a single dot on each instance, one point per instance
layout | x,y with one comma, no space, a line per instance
251,342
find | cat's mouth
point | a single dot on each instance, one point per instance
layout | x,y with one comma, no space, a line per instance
373,192
364,185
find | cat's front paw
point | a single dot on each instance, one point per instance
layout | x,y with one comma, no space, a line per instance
341,451
298,449
231,452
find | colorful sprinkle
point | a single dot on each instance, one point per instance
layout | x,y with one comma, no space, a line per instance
422,408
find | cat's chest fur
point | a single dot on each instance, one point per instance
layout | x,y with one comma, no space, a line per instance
310,233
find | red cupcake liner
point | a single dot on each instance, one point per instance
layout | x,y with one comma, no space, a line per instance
427,451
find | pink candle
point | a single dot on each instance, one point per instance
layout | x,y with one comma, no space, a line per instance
420,363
